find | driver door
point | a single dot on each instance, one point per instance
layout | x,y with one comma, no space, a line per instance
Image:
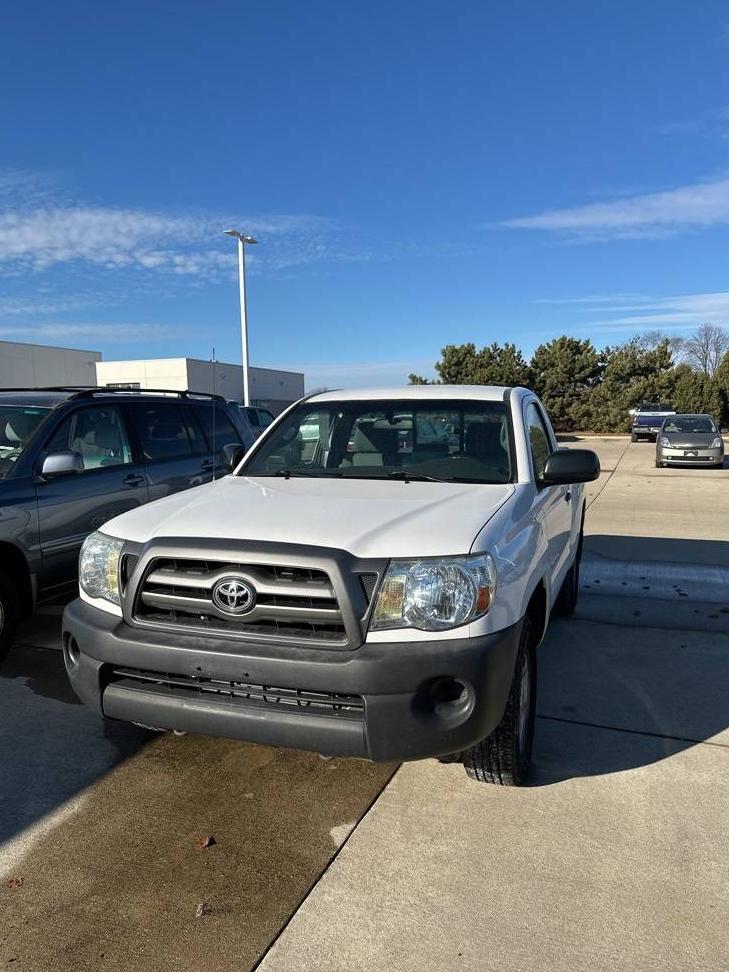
72,506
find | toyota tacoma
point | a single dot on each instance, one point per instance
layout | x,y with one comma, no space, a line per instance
372,579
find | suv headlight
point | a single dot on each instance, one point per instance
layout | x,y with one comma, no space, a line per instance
718,443
98,567
664,441
433,595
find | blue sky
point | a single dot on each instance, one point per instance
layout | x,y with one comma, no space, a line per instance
417,174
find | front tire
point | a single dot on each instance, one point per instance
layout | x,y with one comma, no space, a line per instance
633,437
504,757
8,614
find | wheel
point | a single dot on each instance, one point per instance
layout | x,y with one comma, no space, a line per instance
504,756
659,464
8,614
633,437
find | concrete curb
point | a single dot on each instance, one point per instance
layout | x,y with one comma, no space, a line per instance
653,579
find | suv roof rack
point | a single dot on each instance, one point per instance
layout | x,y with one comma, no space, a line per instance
88,391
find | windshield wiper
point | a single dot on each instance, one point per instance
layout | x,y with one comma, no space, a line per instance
411,476
288,473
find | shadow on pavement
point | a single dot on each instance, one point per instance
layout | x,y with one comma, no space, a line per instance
672,550
52,746
656,689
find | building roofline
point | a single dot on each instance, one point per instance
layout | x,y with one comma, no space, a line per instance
52,347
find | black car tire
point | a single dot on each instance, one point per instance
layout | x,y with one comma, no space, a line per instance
8,614
633,437
504,757
659,464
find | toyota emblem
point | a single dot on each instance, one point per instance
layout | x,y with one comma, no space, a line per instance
232,595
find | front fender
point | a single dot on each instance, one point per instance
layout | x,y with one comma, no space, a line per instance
518,542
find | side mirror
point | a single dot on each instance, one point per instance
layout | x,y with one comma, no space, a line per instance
231,454
62,463
568,466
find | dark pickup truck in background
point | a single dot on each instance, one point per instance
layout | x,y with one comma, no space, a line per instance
648,419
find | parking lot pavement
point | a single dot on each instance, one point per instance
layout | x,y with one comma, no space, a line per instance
616,857
99,820
656,506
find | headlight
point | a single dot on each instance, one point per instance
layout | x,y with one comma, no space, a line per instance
98,567
718,443
665,441
433,595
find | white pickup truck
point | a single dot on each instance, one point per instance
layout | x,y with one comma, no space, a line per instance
373,580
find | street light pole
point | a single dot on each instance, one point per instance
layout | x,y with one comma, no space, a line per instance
242,240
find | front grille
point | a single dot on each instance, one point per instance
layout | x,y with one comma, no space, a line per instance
296,603
240,693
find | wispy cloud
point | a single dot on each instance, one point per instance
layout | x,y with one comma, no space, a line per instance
116,239
42,227
39,333
657,214
632,311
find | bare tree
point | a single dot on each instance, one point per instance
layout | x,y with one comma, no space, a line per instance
706,347
649,340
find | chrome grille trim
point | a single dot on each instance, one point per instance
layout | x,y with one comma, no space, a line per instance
298,603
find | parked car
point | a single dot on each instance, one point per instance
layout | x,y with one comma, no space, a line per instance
385,602
71,459
258,418
690,440
648,419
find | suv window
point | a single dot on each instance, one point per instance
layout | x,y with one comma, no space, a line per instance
17,427
98,435
538,440
225,431
162,432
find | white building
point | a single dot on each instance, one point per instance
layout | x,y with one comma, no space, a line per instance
267,386
38,366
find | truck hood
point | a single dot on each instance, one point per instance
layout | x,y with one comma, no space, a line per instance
369,518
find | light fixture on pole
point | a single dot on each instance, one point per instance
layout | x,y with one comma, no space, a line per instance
242,241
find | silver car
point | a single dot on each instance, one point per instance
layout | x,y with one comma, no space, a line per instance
689,440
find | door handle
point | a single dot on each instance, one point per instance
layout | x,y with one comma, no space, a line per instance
133,479
207,466
567,496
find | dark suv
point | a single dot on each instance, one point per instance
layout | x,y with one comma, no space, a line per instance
72,459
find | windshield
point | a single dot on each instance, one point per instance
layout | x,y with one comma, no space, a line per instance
467,442
17,425
690,423
655,408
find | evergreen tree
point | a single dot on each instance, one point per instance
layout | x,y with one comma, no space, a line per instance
563,372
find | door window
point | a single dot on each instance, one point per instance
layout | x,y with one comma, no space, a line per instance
216,425
98,435
538,440
162,432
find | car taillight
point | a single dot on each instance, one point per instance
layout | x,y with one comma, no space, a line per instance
635,420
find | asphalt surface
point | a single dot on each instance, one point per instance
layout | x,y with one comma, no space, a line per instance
615,857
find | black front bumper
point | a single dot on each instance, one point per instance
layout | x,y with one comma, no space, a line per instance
407,704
